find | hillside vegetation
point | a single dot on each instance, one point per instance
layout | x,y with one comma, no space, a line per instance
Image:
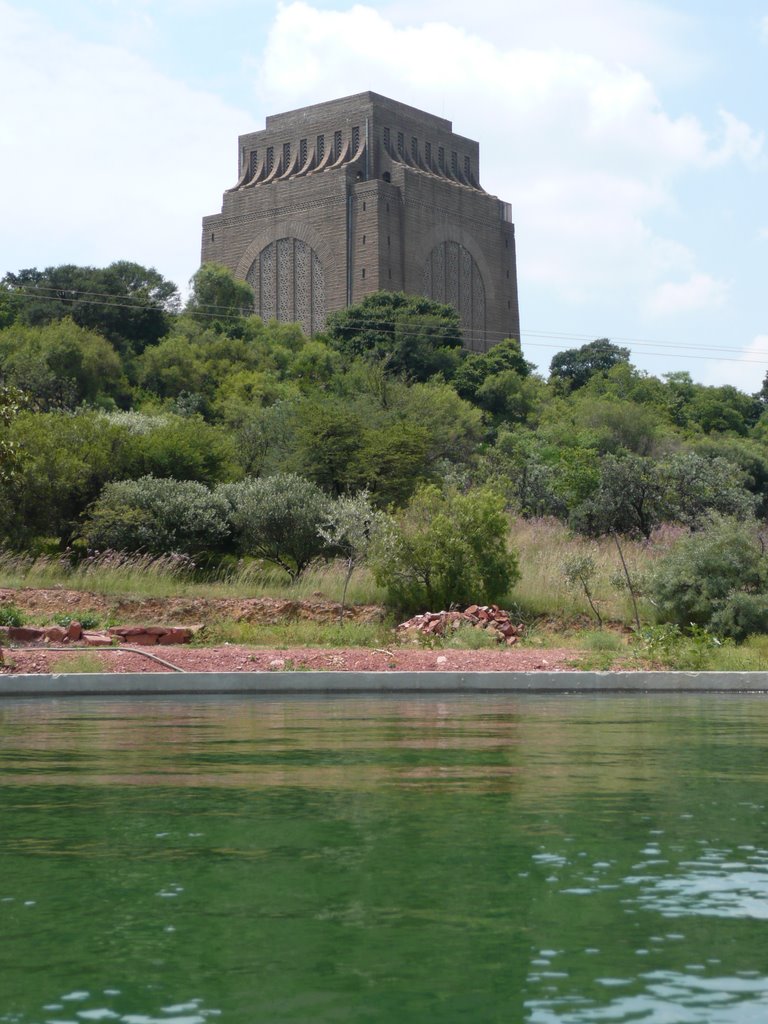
380,461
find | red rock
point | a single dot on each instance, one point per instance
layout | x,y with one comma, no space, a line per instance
96,639
25,634
55,634
74,631
143,639
176,635
472,610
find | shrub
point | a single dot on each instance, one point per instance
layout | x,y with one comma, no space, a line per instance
157,516
10,615
717,580
278,518
446,549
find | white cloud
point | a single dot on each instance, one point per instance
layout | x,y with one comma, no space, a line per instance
739,142
618,32
763,233
106,157
581,146
746,370
699,291
764,28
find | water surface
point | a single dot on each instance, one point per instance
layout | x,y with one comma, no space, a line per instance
520,859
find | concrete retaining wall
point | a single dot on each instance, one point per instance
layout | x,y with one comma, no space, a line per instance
164,683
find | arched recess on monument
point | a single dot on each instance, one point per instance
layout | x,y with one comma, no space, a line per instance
289,285
289,269
451,275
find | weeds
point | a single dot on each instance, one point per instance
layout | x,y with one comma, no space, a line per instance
10,615
77,663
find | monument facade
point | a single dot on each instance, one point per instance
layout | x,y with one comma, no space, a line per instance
340,199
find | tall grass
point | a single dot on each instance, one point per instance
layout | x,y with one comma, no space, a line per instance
543,545
158,576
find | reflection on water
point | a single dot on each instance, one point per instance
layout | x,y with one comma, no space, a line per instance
526,859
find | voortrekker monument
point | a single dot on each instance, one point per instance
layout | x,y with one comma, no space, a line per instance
340,199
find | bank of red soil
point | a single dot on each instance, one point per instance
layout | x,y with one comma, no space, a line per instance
235,658
39,604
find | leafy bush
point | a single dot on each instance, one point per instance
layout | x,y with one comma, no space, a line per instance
446,549
88,620
716,579
669,646
157,516
10,615
278,518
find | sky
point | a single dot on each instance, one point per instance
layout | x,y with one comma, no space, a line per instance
630,137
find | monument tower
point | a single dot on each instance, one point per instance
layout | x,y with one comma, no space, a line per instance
340,199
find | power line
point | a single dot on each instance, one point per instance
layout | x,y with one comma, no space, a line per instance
678,349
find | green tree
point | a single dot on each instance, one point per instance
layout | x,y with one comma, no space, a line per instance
66,459
157,516
391,461
130,305
278,518
184,447
11,401
446,549
716,579
477,367
416,336
219,299
723,410
350,528
60,365
573,368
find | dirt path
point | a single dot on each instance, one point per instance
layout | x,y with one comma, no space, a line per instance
233,658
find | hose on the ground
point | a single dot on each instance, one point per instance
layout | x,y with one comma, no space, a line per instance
101,650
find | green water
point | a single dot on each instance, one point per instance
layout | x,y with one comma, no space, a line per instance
559,859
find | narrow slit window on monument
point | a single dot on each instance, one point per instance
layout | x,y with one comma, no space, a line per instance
320,147
364,244
302,151
454,161
400,143
386,138
387,207
356,138
213,237
467,167
428,152
441,158
286,155
388,240
363,271
270,159
363,207
387,177
253,162
336,145
415,148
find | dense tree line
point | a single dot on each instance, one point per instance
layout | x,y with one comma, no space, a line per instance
129,409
